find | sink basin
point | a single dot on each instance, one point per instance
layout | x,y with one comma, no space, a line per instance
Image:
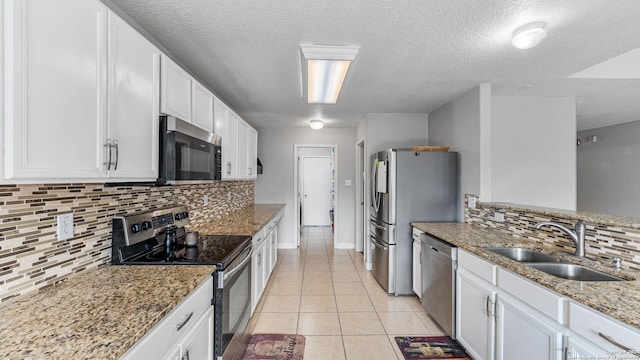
573,272
524,255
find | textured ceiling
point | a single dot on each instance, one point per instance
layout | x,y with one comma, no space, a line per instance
415,55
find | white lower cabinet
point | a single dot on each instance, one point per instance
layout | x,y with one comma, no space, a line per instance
522,333
187,329
527,321
257,274
263,260
417,267
475,323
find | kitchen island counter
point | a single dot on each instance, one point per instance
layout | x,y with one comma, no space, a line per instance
97,314
618,299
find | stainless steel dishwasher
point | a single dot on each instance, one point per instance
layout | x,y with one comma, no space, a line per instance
439,263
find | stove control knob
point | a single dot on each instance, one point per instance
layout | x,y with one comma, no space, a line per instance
135,228
146,225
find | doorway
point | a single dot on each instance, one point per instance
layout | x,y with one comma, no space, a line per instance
320,163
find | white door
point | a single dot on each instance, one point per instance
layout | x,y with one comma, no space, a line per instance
475,316
202,106
226,126
175,90
316,191
243,149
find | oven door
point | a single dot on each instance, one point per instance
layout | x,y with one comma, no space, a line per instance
232,306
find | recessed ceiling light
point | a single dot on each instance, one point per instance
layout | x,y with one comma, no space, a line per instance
327,68
528,36
316,124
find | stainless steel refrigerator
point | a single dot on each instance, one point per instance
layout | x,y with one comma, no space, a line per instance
406,187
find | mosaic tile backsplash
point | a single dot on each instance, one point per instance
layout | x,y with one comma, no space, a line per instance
604,242
31,257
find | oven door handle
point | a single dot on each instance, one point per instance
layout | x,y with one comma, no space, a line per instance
237,268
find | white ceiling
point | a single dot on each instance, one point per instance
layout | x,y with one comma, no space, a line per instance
415,55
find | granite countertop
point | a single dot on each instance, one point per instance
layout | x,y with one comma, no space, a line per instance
618,299
246,221
96,314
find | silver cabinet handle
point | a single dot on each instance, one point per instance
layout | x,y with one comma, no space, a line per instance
487,306
186,356
181,325
229,168
566,353
611,340
250,170
115,143
108,146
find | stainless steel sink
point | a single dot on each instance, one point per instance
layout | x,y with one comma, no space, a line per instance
524,255
573,272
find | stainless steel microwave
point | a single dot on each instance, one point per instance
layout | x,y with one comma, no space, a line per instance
188,154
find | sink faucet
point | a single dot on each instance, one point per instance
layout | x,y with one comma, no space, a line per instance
577,236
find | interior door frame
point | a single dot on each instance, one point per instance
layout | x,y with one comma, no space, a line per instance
361,226
296,190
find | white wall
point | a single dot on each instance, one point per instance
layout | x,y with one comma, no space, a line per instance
608,171
457,125
275,185
533,151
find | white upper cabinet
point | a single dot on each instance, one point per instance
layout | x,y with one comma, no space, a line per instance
55,86
253,153
226,126
243,149
247,150
175,91
202,106
134,81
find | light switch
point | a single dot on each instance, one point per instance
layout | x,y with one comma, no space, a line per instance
347,182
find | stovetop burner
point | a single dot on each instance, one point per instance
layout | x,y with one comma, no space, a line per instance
138,240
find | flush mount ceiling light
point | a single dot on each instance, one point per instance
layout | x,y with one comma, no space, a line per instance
528,36
326,68
316,124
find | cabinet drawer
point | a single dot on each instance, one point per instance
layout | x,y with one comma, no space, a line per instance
534,295
162,337
589,323
475,265
258,238
416,234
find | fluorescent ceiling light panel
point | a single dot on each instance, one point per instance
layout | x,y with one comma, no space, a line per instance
327,68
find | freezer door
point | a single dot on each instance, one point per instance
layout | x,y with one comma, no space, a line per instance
384,232
383,263
383,183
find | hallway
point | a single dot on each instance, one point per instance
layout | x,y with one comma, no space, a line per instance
327,295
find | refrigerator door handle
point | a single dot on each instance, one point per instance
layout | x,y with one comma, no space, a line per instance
379,244
378,226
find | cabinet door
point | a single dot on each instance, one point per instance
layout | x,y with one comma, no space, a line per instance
198,342
578,349
522,333
257,278
266,268
226,126
274,247
252,152
202,106
134,81
243,149
55,118
417,268
475,324
175,90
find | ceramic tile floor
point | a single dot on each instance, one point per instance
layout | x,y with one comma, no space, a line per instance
328,296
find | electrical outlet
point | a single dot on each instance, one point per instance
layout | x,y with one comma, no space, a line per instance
229,196
472,202
205,200
65,226
498,216
347,182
